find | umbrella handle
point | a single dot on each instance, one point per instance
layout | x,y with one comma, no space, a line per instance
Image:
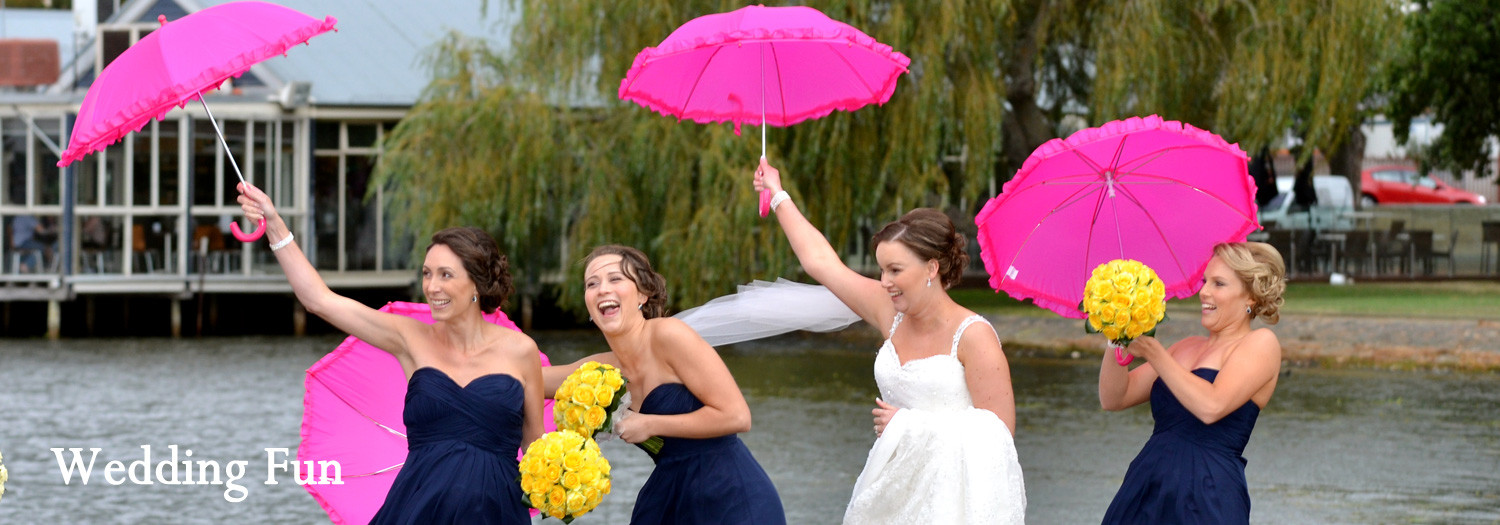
260,230
1121,356
765,203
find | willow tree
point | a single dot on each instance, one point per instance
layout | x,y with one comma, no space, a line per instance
533,145
1249,70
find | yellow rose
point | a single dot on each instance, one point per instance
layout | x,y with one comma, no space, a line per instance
1103,288
1122,317
592,496
1134,330
1141,315
1112,333
590,377
538,500
591,365
614,380
557,497
594,417
573,460
576,502
1142,296
575,416
557,512
1158,309
570,480
575,441
604,394
604,486
1094,322
553,472
588,474
565,391
583,396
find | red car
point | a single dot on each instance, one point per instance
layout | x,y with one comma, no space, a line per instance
1404,185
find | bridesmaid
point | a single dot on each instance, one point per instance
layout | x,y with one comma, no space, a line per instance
682,392
1205,394
474,389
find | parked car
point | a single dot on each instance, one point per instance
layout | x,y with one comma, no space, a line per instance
1394,184
1335,199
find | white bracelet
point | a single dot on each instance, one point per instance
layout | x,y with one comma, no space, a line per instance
283,242
781,196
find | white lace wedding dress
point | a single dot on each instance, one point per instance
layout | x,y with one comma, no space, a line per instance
940,460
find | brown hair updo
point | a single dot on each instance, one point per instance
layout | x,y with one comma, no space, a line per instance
637,268
929,234
1261,270
486,266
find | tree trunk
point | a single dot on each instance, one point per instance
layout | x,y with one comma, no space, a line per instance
1025,126
1349,159
1263,171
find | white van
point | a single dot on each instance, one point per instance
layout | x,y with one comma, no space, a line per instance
1335,200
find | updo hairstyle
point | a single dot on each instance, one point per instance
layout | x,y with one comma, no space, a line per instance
486,266
929,234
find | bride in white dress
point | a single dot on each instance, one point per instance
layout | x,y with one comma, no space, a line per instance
944,450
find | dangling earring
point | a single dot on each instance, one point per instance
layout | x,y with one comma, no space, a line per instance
929,282
474,299
1247,310
638,307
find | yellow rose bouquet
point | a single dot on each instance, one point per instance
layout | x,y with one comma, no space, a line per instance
592,399
4,476
563,475
1124,299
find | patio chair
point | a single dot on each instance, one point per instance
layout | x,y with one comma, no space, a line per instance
1490,235
1446,254
1358,251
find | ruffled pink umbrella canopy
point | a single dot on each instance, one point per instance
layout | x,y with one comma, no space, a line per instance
352,407
763,65
1159,192
178,63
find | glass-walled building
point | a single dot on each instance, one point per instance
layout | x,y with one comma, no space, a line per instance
151,214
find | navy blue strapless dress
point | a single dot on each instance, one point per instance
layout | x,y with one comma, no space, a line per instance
461,452
1188,472
703,481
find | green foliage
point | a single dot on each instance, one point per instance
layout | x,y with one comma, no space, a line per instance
534,147
1449,64
1248,70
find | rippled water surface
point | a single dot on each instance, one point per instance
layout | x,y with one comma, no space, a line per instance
1334,446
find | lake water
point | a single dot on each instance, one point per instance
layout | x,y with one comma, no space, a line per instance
1334,446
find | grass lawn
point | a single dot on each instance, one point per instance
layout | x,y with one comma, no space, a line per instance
1439,299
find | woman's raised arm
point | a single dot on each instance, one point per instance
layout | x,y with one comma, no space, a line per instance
379,329
862,294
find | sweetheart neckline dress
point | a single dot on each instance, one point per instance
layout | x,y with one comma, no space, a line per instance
1188,471
461,452
702,481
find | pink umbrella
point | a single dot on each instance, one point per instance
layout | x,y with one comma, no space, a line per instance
352,414
1160,192
763,65
178,63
